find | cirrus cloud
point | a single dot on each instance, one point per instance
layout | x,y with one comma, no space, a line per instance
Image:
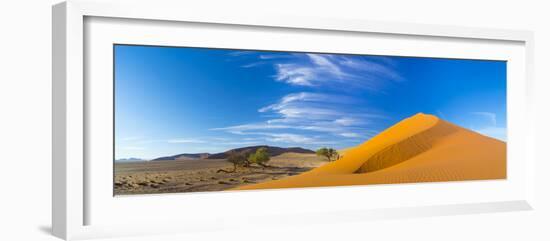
306,112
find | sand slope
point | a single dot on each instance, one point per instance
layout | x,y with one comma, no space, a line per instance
421,148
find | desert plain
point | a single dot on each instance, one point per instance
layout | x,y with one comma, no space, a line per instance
196,175
421,148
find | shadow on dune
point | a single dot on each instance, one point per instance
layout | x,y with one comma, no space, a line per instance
421,148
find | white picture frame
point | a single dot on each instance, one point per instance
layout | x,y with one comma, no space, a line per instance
74,199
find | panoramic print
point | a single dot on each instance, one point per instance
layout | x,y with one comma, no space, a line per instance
200,119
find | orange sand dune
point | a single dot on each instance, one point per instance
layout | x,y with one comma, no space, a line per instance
421,148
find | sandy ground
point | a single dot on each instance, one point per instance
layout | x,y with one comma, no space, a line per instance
422,148
202,175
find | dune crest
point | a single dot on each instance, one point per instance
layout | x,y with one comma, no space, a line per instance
421,148
409,147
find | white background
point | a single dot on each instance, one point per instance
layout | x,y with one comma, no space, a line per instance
25,122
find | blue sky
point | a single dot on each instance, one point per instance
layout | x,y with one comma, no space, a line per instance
172,100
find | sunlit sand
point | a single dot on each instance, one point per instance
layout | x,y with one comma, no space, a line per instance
422,148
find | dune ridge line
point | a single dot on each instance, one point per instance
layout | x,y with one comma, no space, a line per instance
421,148
408,148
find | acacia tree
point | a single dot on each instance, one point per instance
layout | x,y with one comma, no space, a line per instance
237,159
329,153
260,157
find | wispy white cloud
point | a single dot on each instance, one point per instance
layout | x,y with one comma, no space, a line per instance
323,62
185,140
289,138
310,112
295,116
312,106
242,129
319,70
253,64
350,135
374,68
290,99
293,138
493,131
220,138
237,143
295,74
490,128
237,53
325,69
346,121
133,148
491,117
276,56
215,141
130,138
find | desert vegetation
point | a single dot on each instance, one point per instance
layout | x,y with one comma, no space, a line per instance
246,159
260,157
197,172
329,153
238,159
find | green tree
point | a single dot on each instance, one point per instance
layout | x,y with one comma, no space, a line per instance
260,157
329,153
237,159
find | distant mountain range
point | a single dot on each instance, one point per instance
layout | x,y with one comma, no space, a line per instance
183,156
272,150
131,159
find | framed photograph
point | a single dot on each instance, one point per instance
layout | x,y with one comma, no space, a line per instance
180,121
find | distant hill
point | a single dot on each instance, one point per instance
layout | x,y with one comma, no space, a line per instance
272,150
183,156
131,159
